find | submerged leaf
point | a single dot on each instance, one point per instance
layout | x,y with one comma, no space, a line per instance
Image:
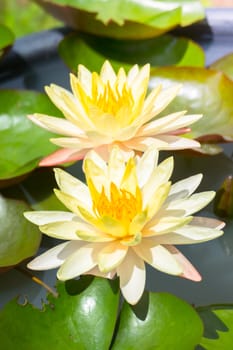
218,323
92,51
22,143
19,239
82,317
125,19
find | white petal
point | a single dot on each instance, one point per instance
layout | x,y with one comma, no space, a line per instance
107,73
184,188
133,72
57,125
54,257
146,165
65,230
132,277
46,217
208,222
190,205
111,256
169,123
85,78
72,186
158,257
176,142
198,233
159,176
73,142
81,261
116,166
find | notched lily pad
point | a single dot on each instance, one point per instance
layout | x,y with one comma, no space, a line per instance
204,91
218,323
19,239
84,317
6,40
125,19
92,51
22,143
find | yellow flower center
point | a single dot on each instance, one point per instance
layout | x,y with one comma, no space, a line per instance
112,99
121,204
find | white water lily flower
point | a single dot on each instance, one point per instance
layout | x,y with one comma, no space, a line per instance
109,109
129,213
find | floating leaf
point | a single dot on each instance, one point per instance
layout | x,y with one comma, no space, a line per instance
93,51
6,39
218,322
125,19
82,317
225,65
159,321
204,91
19,239
223,202
22,143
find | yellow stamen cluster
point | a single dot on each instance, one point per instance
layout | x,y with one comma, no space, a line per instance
121,204
111,99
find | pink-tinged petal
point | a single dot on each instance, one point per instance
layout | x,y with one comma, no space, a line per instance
169,124
177,143
199,233
111,256
208,222
61,156
158,256
189,270
132,276
55,256
80,262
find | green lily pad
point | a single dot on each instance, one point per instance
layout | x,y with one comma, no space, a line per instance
225,65
22,143
125,18
204,91
93,51
218,323
160,321
84,317
6,40
19,239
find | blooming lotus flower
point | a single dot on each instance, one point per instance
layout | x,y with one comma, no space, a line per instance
129,213
109,109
